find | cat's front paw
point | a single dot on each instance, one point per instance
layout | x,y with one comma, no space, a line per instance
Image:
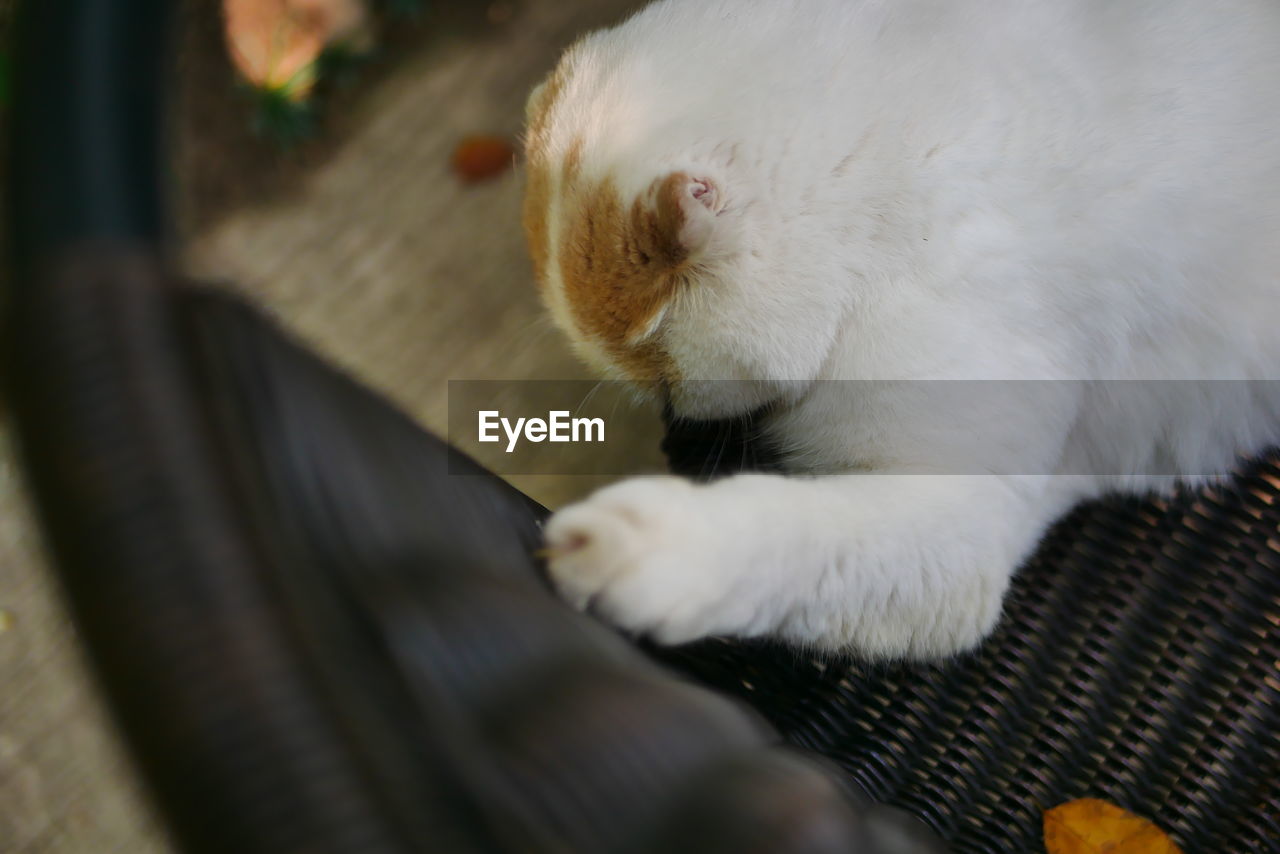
645,555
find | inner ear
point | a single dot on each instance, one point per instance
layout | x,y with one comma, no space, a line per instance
704,192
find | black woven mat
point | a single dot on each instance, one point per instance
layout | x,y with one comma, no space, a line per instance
1138,661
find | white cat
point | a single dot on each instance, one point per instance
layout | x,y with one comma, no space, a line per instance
789,196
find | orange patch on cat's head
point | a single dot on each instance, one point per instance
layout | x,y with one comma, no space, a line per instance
620,266
617,263
609,264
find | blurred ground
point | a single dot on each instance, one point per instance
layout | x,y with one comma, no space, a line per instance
366,246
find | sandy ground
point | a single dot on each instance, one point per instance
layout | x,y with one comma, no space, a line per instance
370,250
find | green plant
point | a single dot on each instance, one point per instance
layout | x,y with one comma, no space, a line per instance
280,118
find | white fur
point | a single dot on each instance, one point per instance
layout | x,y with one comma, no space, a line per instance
963,190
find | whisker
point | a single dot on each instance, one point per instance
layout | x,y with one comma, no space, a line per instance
590,394
712,464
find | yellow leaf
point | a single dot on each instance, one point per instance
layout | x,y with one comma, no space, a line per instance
1091,826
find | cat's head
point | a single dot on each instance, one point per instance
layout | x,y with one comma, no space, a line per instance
660,258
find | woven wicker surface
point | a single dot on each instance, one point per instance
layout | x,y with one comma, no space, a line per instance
1138,661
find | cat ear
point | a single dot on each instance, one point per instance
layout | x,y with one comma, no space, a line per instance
687,207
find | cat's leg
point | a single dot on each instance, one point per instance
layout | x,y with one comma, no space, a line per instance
879,565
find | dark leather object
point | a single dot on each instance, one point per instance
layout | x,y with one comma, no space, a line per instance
315,638
399,560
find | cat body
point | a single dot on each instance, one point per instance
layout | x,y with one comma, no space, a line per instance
977,260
